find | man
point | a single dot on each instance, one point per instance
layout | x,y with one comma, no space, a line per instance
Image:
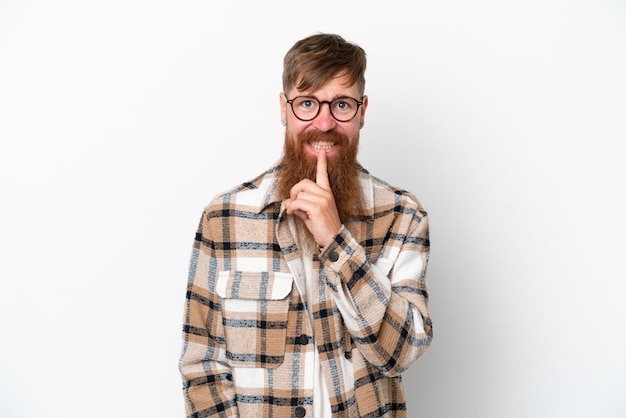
307,288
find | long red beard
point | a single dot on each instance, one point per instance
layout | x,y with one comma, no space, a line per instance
296,165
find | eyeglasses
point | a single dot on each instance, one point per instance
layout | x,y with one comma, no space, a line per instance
343,109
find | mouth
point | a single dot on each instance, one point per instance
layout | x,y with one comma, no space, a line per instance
314,142
322,145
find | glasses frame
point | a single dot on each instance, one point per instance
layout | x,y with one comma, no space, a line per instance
359,103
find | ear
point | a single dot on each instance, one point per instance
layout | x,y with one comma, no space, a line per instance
283,106
363,109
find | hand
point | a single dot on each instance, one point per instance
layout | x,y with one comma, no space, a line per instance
315,204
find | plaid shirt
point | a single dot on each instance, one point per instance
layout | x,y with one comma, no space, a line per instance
248,346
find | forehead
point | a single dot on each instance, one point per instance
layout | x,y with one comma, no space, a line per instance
335,87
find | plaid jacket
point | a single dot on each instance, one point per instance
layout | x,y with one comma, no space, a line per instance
247,338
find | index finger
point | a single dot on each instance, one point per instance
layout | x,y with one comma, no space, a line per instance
321,177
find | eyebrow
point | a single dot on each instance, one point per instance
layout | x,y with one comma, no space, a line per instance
338,96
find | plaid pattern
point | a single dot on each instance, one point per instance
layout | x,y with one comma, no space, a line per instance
247,338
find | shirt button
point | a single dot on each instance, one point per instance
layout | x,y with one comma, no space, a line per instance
300,411
303,339
333,256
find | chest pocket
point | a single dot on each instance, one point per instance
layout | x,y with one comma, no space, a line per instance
255,308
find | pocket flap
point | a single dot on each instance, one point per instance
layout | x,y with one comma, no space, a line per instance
258,285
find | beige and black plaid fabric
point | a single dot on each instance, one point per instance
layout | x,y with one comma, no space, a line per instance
248,342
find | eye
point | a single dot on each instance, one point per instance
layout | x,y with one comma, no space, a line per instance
306,103
343,105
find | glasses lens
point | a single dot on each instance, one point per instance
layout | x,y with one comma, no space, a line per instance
344,108
305,108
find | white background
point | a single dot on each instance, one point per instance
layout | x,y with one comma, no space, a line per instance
119,120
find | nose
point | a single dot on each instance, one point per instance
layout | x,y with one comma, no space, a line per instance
324,120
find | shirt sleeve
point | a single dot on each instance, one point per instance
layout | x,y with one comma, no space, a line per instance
384,305
207,378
